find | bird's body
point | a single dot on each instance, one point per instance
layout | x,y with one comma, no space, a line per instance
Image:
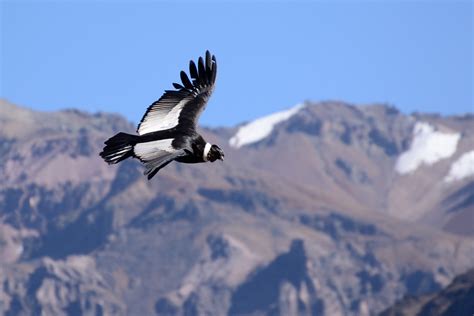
167,131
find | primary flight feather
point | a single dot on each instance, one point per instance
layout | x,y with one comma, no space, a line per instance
167,131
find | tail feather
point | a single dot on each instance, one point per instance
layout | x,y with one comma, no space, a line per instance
118,148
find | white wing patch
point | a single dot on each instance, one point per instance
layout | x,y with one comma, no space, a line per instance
155,149
161,118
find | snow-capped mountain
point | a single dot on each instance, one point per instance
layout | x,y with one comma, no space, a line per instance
462,168
416,167
325,208
261,128
427,147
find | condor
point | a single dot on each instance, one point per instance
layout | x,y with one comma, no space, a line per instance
167,131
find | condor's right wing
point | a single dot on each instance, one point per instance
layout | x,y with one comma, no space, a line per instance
181,108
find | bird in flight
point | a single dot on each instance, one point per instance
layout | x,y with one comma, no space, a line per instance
167,131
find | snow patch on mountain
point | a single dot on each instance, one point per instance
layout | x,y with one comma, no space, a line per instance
262,127
428,146
461,168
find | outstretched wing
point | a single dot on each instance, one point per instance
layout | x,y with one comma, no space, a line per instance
156,154
181,108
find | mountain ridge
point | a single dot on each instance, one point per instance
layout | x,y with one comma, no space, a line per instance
455,299
315,192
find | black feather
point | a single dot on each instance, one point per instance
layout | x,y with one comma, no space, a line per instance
214,71
202,70
208,64
177,86
185,80
193,70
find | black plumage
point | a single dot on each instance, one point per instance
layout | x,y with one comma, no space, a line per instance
184,78
201,70
193,70
167,131
177,86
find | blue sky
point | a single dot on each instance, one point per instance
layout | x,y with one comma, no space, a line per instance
120,56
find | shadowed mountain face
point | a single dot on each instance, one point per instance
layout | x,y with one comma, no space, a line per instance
261,292
334,211
455,299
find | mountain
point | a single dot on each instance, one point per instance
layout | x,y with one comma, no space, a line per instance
325,208
455,299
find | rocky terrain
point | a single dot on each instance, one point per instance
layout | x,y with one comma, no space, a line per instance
324,209
455,299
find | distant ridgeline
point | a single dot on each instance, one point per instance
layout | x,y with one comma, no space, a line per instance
323,209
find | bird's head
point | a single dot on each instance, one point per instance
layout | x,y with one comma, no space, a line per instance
215,153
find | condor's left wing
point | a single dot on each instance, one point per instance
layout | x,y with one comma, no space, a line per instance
156,154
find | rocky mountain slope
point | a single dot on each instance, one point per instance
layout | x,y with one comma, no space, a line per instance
327,209
455,299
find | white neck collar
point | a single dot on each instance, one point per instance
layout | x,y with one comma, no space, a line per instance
207,148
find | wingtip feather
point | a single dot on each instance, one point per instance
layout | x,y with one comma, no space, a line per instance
193,70
186,82
201,68
177,86
214,73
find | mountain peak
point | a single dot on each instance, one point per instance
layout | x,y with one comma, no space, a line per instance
317,192
260,128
